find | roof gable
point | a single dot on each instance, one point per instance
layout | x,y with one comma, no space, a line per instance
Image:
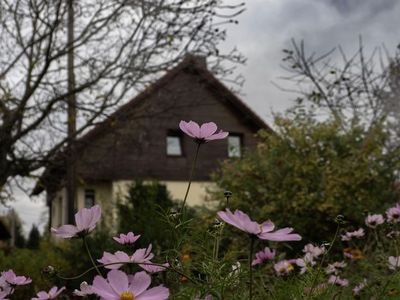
190,65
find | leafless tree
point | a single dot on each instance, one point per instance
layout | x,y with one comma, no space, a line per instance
119,47
356,90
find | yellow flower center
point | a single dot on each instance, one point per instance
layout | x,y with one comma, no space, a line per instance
288,269
127,296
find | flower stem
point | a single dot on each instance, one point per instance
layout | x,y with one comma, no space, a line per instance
322,262
128,263
190,176
251,268
90,256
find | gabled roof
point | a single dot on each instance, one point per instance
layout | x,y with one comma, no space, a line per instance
197,66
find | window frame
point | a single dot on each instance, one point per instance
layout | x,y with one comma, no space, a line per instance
240,136
176,134
86,192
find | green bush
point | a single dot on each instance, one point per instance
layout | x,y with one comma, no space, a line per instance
31,263
142,211
309,172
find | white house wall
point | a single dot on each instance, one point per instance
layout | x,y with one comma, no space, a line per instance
106,195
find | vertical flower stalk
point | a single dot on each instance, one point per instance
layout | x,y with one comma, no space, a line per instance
201,134
191,176
90,256
251,250
339,221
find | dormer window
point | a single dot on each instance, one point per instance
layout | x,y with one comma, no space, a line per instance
174,143
234,145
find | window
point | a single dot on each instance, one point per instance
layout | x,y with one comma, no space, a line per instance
90,198
174,143
234,145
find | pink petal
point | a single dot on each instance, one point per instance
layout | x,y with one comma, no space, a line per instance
139,283
281,235
43,295
239,220
102,288
119,240
95,214
207,129
118,281
52,291
267,226
218,136
192,129
246,223
157,293
65,231
81,219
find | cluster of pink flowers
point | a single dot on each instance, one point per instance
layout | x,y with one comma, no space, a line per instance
9,280
117,285
353,234
311,253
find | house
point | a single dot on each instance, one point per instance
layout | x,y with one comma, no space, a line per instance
142,140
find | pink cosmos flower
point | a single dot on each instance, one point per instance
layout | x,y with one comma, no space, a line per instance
119,285
119,258
4,294
84,290
338,281
263,231
313,251
305,262
5,288
52,294
85,220
128,238
335,268
12,279
394,262
393,214
357,289
263,255
373,221
204,133
283,267
349,235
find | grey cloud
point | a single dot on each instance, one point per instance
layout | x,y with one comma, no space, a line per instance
269,25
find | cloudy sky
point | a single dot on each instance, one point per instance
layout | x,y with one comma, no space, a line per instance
267,27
